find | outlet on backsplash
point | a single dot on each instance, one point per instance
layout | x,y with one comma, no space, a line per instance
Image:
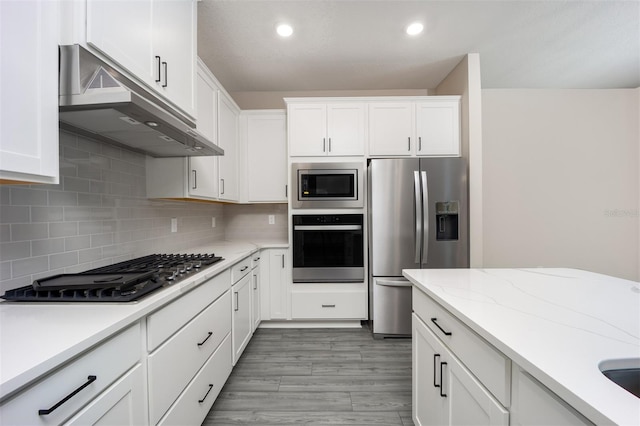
213,221
272,219
174,224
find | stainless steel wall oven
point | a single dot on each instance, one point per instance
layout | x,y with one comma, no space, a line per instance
328,248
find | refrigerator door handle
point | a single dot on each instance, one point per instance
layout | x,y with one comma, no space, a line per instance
418,203
425,226
394,283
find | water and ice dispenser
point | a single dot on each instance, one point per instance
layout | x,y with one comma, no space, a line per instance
447,221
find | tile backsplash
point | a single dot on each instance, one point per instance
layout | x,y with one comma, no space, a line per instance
97,215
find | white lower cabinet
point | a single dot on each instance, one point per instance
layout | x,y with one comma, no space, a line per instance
256,289
534,404
192,346
121,404
278,296
242,324
197,399
328,304
444,390
89,376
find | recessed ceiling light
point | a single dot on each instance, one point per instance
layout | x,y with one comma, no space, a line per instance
415,28
284,30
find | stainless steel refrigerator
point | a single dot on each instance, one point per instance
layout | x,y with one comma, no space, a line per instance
418,218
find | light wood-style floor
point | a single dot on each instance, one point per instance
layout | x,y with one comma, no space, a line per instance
317,377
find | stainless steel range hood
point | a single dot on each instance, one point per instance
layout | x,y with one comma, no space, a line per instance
99,102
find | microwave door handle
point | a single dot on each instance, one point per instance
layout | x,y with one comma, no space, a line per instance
418,212
425,227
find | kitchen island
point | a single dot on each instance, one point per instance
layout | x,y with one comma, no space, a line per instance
554,327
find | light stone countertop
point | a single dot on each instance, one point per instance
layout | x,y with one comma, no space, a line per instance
557,324
38,337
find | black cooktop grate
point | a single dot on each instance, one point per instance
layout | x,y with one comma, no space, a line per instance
121,282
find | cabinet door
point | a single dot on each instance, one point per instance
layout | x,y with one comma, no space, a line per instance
391,128
438,128
122,404
279,284
307,130
29,87
345,129
228,140
534,404
241,325
207,104
267,157
428,406
123,32
255,296
174,41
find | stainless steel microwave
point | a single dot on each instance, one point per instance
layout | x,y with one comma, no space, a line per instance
327,185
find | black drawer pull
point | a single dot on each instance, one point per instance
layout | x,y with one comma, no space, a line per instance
446,333
205,339
244,269
442,394
328,306
207,394
90,380
435,362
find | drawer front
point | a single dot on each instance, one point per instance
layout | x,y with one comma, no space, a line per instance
240,269
169,319
255,259
198,398
174,364
489,365
107,362
329,305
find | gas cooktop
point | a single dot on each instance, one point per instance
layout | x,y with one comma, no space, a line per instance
121,282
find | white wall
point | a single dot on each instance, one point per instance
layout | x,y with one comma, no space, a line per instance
560,180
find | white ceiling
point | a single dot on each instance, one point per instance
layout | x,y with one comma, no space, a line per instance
361,44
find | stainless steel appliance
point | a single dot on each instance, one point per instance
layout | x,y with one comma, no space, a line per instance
327,185
328,248
121,282
418,219
97,101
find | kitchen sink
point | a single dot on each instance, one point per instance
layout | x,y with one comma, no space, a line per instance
624,373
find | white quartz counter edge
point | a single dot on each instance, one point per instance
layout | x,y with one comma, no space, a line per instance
480,307
36,338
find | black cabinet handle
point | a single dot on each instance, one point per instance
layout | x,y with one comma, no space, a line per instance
409,144
158,60
283,261
222,185
329,144
90,379
435,362
255,282
419,143
166,78
286,191
328,306
244,269
206,338
195,179
237,304
442,394
446,333
207,394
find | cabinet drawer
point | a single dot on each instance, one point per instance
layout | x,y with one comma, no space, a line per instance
198,398
240,269
490,366
106,363
174,364
169,319
329,305
255,259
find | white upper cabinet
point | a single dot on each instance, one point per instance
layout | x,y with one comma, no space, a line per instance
264,136
29,87
322,129
426,127
154,40
228,114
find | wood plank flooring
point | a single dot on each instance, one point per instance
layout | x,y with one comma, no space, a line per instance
317,377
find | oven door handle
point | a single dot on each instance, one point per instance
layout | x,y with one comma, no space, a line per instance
327,227
394,283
